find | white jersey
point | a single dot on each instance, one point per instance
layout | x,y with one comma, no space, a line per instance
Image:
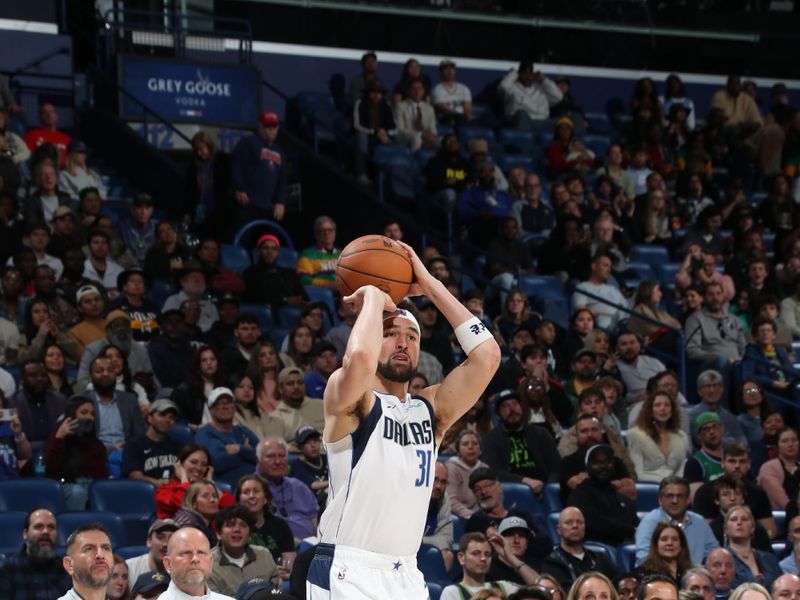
381,477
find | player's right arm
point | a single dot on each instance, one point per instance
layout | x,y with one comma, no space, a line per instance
353,381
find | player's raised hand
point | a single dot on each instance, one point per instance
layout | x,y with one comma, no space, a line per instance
421,275
357,298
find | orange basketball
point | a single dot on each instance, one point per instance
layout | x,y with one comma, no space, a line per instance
374,260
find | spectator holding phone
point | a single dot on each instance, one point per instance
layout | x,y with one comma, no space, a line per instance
14,446
74,455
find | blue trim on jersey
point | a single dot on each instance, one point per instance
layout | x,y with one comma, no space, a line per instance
319,571
364,430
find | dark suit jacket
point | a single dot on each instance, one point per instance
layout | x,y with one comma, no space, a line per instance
132,419
34,210
54,404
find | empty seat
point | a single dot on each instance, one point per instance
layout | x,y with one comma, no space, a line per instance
643,269
317,293
289,317
609,551
667,272
520,496
598,122
509,161
434,590
646,496
234,257
655,256
516,140
27,494
542,286
69,522
552,495
182,434
598,144
11,524
431,564
387,154
627,557
134,501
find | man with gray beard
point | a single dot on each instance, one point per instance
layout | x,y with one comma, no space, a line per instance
88,561
188,562
35,572
118,333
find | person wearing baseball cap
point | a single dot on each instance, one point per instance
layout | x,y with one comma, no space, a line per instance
451,99
312,468
705,465
152,455
232,447
295,408
258,173
142,312
151,562
267,282
610,517
148,585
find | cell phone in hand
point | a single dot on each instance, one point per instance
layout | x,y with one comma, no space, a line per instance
7,414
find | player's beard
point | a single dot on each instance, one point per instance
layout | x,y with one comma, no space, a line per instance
397,373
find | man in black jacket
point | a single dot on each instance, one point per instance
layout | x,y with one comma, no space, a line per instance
571,558
268,283
610,517
447,173
520,452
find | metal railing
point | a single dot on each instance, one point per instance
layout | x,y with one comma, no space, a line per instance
679,331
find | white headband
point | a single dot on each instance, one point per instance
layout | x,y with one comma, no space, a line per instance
401,313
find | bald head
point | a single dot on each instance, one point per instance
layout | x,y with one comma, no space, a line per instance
571,528
188,560
187,535
786,587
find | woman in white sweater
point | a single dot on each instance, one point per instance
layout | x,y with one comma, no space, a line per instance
656,443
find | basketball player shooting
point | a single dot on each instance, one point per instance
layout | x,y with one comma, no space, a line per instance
382,443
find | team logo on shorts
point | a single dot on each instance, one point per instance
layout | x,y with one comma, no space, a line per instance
342,574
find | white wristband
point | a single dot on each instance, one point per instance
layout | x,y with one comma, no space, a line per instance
471,333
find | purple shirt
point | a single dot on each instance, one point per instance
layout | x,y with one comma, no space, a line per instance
295,503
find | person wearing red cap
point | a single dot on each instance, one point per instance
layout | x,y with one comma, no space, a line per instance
268,283
258,173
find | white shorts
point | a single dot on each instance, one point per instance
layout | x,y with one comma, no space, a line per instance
344,573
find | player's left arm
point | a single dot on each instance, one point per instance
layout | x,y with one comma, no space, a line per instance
464,385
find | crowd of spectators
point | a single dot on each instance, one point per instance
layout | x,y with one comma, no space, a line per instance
107,379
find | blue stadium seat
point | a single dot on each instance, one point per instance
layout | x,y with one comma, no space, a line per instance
458,529
516,140
310,101
234,257
552,522
182,434
434,590
598,122
15,371
423,156
757,198
646,496
627,557
263,312
318,293
644,270
769,241
389,154
134,501
289,316
118,210
509,161
26,494
224,487
270,227
779,549
552,495
160,290
430,562
69,521
520,496
780,520
655,256
609,551
293,458
475,132
667,272
127,552
11,525
287,257
598,144
542,286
